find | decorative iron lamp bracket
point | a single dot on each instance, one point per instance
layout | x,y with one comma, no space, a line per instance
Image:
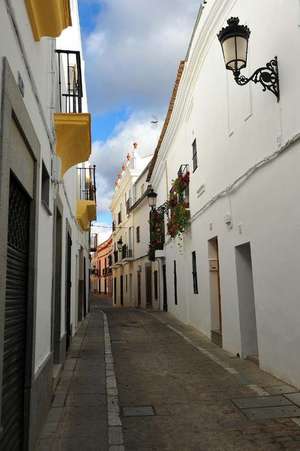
234,42
267,76
163,209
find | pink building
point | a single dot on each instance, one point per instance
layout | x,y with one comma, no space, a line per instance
101,277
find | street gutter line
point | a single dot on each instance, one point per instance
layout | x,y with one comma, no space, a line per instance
115,430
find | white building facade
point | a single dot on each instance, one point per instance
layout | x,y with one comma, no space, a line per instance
46,205
234,276
132,270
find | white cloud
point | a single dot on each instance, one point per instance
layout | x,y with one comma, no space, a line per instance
103,231
133,52
108,156
132,56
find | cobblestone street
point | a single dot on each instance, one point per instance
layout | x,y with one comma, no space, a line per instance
165,387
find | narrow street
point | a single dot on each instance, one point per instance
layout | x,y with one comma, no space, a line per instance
176,391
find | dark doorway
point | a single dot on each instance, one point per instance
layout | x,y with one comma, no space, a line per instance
68,291
165,292
175,282
215,292
84,287
15,326
139,288
249,342
121,291
148,286
57,289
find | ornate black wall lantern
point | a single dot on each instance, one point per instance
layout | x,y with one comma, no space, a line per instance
234,41
152,197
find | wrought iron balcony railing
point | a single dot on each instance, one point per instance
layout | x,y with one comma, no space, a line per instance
87,183
126,252
106,271
69,81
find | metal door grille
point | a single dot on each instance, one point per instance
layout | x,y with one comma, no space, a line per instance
15,319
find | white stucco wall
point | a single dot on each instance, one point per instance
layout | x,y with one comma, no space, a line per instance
35,61
236,128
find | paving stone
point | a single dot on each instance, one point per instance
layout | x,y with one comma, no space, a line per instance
47,444
83,444
115,435
55,414
261,401
294,397
141,411
280,389
59,400
50,429
85,400
264,413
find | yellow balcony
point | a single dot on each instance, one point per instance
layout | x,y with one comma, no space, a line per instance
48,17
86,212
73,138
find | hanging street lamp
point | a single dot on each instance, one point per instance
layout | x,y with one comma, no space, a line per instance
234,41
152,197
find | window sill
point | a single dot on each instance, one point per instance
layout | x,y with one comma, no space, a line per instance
46,207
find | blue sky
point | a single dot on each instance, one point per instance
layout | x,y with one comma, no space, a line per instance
132,49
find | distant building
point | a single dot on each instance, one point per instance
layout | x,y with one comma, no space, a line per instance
101,268
131,268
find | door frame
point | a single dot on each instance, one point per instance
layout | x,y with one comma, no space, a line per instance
214,268
58,352
165,287
68,288
148,280
13,108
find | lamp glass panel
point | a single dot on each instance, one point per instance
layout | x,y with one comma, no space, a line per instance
242,49
229,51
152,201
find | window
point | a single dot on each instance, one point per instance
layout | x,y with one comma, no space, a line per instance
126,283
155,284
137,234
194,272
195,158
119,217
45,185
175,283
